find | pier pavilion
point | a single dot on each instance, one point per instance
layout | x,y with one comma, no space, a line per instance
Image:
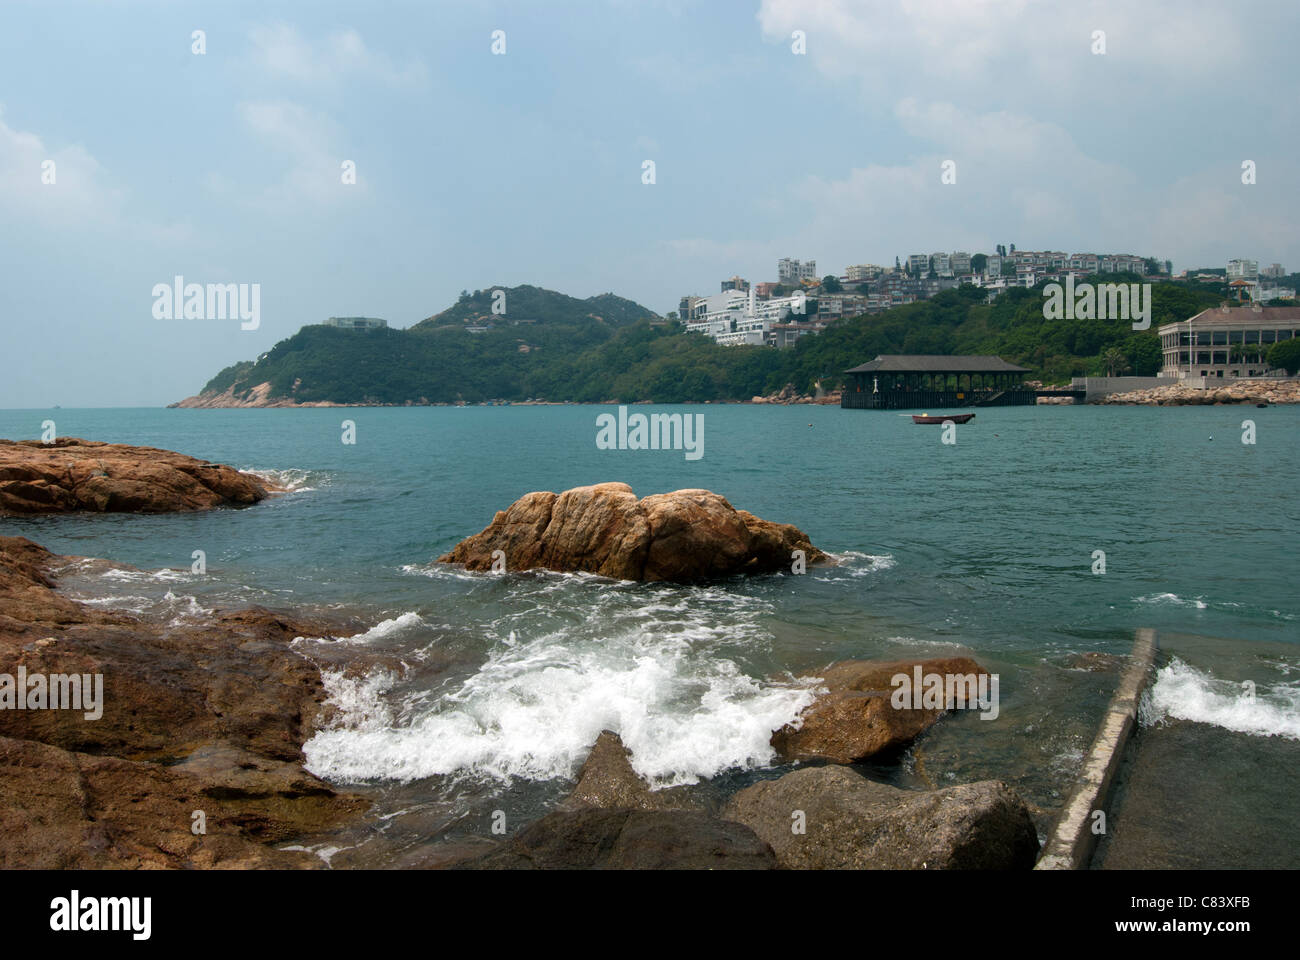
921,381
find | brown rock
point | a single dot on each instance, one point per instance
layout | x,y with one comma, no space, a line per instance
608,780
65,810
71,474
855,719
598,839
681,536
852,823
210,716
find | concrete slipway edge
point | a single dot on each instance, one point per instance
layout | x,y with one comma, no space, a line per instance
1072,842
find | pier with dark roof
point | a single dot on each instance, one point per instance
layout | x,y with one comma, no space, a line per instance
922,381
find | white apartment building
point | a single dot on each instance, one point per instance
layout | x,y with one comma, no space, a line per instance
861,272
919,263
941,264
1243,269
960,262
735,317
792,271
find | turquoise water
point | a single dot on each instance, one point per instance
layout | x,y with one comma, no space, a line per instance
474,691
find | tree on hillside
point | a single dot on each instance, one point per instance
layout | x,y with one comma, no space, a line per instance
831,284
979,262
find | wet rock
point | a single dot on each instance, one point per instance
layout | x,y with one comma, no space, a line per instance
855,719
71,474
682,536
852,823
602,839
206,716
67,810
608,780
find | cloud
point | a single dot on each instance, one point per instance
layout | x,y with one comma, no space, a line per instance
972,51
281,50
81,193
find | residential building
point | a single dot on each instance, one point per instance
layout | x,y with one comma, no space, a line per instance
792,271
1243,269
918,264
960,263
1226,341
735,283
941,264
1275,271
862,272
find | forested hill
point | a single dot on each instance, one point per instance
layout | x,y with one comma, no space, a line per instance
525,305
605,348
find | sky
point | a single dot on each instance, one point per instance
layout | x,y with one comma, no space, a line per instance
476,169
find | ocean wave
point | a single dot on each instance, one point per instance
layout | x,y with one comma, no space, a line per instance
854,564
1182,692
1172,600
290,479
533,710
380,631
165,575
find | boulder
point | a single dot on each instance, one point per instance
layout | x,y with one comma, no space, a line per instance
683,536
71,474
603,839
608,780
855,718
852,823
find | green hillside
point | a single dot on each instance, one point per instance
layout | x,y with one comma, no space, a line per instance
605,348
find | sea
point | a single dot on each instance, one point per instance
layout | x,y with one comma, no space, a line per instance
1036,541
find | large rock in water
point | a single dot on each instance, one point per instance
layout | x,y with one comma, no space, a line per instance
681,536
852,823
71,474
855,719
602,839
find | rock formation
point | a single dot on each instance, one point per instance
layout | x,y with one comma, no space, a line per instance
620,839
71,474
206,717
855,718
682,536
852,823
608,780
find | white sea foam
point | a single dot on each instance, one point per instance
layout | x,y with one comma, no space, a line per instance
165,575
854,563
536,706
292,480
1172,600
1182,692
380,631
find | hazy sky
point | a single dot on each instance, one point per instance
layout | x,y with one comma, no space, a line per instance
475,169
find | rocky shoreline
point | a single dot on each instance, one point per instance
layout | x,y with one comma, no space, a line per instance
191,755
1234,391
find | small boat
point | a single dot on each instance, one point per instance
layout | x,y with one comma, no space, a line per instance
954,417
